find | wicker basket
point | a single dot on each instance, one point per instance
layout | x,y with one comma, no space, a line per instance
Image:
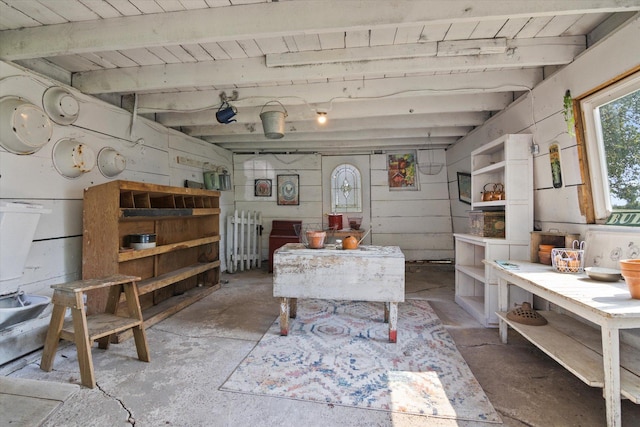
567,260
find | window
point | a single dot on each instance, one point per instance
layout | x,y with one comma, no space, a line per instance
346,189
612,136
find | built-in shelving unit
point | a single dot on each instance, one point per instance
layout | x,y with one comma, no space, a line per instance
506,161
184,265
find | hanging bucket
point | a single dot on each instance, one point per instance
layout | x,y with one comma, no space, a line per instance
273,121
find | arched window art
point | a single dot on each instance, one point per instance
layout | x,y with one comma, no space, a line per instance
346,189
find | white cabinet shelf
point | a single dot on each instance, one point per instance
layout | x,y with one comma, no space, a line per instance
495,167
506,161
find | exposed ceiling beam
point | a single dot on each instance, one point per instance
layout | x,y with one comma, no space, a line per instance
352,135
322,93
383,107
431,121
274,19
253,70
370,53
320,145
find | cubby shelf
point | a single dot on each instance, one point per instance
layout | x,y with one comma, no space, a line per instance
183,267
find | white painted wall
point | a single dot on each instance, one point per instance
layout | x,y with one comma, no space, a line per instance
540,113
56,252
417,221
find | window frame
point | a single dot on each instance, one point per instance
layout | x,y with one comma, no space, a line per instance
593,141
334,188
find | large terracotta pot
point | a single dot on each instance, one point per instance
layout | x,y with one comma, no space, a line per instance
630,269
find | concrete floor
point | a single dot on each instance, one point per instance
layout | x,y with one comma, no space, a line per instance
194,351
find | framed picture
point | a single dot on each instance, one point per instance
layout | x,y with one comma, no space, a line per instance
262,188
464,187
401,170
288,189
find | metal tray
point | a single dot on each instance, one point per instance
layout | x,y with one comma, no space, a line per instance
602,274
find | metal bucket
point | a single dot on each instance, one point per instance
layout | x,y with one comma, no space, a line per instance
273,122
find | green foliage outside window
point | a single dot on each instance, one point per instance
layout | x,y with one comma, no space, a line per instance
620,122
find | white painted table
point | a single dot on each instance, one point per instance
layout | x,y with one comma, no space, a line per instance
598,361
369,273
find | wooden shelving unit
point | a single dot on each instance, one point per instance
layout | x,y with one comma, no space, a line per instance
183,267
507,161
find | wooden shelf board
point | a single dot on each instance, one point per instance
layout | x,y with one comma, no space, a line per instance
206,211
491,204
169,307
100,325
154,283
477,272
490,168
143,253
573,344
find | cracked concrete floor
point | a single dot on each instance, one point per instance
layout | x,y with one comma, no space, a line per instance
194,351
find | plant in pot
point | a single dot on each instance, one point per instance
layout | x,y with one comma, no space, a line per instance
630,269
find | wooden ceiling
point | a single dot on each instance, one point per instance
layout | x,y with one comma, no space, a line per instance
389,74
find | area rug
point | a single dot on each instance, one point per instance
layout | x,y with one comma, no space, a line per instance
338,352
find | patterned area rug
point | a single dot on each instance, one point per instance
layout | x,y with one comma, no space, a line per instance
338,352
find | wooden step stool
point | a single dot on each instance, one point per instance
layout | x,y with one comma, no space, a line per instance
83,329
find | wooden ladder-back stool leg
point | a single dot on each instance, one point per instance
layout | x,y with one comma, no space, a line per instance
53,336
139,334
83,344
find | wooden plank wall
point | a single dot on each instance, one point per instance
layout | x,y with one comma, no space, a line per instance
248,167
540,113
417,221
56,252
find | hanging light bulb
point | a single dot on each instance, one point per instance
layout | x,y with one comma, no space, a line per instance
322,117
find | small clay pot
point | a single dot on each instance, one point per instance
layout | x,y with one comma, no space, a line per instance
545,257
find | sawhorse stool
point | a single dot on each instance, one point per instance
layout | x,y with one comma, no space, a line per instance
83,329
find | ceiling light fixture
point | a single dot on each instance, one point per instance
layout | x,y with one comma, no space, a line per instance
322,117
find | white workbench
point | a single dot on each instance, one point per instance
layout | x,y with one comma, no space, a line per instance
595,356
369,273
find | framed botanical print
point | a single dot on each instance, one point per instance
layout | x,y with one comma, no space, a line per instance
464,187
262,188
288,189
401,170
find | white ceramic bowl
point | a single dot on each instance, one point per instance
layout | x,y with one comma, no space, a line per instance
24,127
111,162
71,158
60,105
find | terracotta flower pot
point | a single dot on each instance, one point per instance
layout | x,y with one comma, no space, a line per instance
630,269
630,264
545,257
316,239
